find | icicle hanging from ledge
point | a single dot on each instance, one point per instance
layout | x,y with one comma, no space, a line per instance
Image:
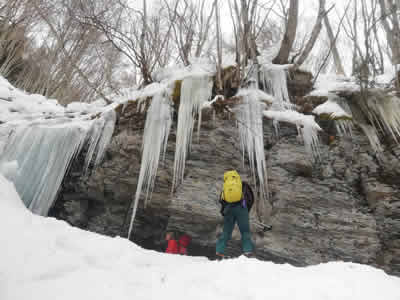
195,91
43,151
250,124
99,137
155,138
306,127
273,79
43,154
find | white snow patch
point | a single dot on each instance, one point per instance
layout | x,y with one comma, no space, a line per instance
331,108
385,79
200,68
331,83
9,169
256,94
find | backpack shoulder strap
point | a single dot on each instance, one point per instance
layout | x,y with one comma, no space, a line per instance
248,195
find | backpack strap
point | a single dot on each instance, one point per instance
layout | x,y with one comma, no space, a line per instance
223,203
248,195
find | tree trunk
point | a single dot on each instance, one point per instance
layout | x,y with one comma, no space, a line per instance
392,33
335,53
290,34
314,34
219,86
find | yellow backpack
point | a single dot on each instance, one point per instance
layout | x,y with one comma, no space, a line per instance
232,187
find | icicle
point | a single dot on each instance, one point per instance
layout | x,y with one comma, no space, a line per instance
99,137
274,81
249,116
344,127
372,135
310,138
155,138
375,112
306,127
195,91
383,111
43,154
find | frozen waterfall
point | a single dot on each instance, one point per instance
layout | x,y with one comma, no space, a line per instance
43,154
155,138
43,151
195,91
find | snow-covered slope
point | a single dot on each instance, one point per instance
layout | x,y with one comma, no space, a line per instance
43,258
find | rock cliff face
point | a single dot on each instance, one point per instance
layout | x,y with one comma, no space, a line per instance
345,206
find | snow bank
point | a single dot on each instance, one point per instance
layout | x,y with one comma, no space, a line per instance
17,106
330,83
46,259
332,109
199,68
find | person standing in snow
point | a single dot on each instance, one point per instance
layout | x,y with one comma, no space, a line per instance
236,201
172,246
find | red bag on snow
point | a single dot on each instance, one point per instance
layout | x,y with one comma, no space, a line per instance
184,242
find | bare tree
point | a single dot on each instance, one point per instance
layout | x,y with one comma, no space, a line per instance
219,85
314,34
390,21
335,53
290,34
140,37
192,26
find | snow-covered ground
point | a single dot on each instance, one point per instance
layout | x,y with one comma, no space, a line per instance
46,259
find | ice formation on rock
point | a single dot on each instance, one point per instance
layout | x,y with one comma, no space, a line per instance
306,126
250,124
273,79
100,136
195,91
43,153
155,138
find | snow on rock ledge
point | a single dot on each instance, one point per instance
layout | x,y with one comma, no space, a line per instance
42,138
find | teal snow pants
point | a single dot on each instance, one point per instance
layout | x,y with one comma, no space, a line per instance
232,214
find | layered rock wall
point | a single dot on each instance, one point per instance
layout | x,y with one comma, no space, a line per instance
345,206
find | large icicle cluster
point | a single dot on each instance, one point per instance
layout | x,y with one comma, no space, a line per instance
43,154
195,91
250,124
39,138
273,79
373,112
383,111
155,138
